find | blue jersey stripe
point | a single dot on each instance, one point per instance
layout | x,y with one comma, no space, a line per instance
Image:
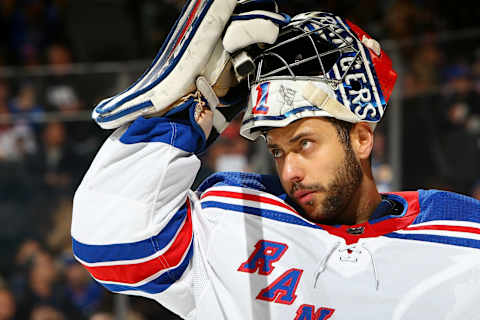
284,116
133,250
463,242
265,213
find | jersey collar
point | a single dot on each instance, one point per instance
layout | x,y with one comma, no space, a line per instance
396,211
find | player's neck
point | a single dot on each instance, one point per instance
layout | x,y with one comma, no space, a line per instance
364,202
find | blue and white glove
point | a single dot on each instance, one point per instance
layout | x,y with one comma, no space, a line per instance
253,22
196,61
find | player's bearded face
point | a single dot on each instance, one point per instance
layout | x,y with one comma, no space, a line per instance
319,172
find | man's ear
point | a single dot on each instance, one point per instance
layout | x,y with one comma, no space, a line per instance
361,137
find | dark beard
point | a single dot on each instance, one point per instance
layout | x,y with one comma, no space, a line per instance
339,192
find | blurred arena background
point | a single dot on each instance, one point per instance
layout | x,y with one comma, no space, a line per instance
58,58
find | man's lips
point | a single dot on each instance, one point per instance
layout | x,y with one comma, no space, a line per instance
304,195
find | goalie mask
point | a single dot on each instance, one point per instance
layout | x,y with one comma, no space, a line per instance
321,66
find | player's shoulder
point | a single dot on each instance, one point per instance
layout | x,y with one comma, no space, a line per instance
446,205
253,181
252,194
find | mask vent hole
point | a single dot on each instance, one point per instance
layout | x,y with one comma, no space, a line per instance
356,86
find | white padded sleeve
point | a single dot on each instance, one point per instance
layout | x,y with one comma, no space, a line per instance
132,219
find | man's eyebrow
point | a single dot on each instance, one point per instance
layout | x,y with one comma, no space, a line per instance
272,145
299,136
292,140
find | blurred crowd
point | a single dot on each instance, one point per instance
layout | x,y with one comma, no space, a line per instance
47,140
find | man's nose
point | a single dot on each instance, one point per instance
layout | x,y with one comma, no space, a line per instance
292,168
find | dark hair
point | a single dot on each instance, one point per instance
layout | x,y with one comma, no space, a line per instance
343,133
343,130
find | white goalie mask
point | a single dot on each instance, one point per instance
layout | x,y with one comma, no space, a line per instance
321,66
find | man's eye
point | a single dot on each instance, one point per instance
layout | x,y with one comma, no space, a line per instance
305,144
276,153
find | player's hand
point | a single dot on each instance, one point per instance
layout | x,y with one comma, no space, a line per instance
204,118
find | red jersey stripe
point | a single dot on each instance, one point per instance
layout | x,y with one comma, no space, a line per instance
446,228
247,196
134,273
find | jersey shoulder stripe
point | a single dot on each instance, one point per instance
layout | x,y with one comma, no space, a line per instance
264,183
253,202
445,218
441,239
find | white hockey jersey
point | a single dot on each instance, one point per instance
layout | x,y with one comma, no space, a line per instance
238,248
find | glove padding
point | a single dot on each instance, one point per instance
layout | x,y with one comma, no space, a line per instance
194,48
248,28
192,42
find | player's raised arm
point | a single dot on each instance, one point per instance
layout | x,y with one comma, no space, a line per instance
134,216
